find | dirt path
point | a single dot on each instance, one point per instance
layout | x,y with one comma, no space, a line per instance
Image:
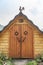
20,62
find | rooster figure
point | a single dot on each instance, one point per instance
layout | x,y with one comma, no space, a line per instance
21,8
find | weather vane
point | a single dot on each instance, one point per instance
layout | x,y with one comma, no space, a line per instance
21,8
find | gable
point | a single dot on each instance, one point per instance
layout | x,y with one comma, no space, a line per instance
20,19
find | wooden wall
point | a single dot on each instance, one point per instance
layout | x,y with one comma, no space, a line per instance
4,43
38,43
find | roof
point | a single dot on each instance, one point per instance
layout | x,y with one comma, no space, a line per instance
20,14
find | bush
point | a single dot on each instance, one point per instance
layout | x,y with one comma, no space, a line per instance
8,63
39,58
32,63
2,56
1,64
4,60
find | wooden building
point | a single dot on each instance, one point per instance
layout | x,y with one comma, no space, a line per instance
21,38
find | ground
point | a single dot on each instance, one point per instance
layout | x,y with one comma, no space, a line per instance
20,62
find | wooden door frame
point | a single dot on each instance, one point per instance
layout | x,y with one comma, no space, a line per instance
32,41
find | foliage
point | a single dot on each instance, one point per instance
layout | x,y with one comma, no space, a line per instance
8,63
4,60
32,63
1,64
2,56
39,58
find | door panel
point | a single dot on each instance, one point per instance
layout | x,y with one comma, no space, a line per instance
27,45
14,46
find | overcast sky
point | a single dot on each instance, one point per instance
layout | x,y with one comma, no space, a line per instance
33,10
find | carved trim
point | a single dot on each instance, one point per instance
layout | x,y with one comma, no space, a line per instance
25,33
16,33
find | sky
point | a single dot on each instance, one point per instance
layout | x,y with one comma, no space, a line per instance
33,10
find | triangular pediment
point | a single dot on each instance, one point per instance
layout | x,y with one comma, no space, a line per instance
20,19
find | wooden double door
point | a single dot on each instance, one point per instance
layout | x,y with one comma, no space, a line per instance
21,41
